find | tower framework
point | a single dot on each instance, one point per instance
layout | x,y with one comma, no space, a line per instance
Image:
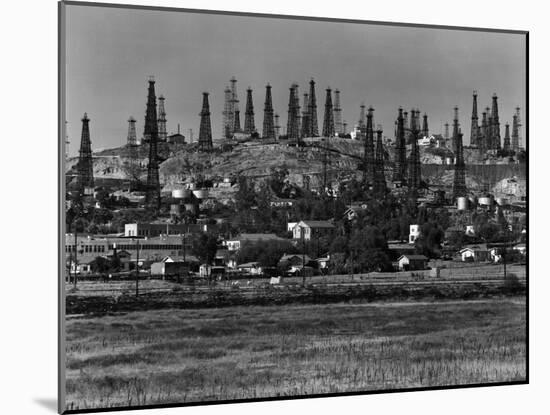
414,171
425,129
205,131
379,176
515,133
85,170
314,127
495,125
518,117
305,126
249,126
227,114
338,128
368,150
277,127
399,167
268,130
162,120
474,129
132,137
506,145
292,127
152,197
328,120
459,183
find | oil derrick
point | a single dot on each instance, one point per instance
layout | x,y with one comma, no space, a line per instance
399,165
518,117
414,158
328,120
459,183
425,130
132,138
474,133
234,108
237,117
495,125
292,126
162,121
487,133
337,113
368,151
205,131
446,131
362,116
134,170
406,128
506,144
483,133
277,127
152,197
515,135
456,129
227,127
344,127
85,177
305,127
249,126
326,163
312,109
268,130
379,177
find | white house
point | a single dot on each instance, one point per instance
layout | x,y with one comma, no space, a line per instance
235,244
414,233
412,262
311,229
252,268
474,253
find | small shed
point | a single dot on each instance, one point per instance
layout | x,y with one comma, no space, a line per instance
411,262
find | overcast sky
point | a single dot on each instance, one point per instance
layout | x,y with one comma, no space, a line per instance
111,52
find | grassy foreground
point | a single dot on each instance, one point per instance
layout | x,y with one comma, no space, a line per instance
177,356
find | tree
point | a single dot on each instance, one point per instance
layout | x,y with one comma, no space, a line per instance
430,240
267,253
245,197
204,247
368,250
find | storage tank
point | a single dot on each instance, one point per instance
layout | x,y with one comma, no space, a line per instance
201,193
178,194
502,201
485,201
473,201
462,203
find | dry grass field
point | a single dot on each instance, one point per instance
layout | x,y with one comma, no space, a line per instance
176,356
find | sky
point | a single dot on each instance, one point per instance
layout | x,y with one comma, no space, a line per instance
110,54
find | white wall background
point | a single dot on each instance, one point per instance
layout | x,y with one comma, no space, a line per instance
28,155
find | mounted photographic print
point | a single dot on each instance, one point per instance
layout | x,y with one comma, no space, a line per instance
260,207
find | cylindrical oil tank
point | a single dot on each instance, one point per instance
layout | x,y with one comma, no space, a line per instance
201,193
473,201
462,203
502,201
485,201
178,194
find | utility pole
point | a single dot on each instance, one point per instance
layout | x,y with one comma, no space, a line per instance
75,256
303,256
137,267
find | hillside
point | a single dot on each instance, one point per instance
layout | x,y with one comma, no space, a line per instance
257,160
